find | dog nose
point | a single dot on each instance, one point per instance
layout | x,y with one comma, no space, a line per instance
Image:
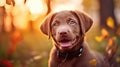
63,33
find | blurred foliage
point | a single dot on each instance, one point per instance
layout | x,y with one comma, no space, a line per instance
93,62
31,51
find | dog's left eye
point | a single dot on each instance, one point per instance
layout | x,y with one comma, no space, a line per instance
72,22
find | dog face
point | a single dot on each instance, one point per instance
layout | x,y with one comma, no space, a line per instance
66,28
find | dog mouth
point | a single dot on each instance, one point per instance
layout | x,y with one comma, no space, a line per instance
66,42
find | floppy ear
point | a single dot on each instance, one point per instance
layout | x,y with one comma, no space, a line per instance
84,20
45,26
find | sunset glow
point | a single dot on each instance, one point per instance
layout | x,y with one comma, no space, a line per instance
2,2
34,10
63,7
36,6
60,5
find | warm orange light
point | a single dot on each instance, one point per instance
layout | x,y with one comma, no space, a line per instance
2,2
60,5
20,15
18,2
63,7
36,6
22,12
8,24
8,18
110,22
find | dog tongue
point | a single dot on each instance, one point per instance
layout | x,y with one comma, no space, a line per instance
66,44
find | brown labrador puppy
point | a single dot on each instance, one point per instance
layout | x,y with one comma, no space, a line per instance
68,29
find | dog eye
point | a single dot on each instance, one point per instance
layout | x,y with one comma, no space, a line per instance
55,23
72,22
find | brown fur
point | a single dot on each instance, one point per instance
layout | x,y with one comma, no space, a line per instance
67,29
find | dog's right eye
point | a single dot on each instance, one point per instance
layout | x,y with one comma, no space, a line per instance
55,23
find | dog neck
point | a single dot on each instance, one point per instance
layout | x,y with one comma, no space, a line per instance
70,55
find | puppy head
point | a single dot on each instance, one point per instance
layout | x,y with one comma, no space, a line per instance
66,28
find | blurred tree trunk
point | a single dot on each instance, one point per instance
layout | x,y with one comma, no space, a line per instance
12,24
2,15
48,2
106,10
11,2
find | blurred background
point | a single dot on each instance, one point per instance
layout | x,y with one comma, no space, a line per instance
22,44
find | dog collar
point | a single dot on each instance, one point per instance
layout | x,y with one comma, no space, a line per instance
70,55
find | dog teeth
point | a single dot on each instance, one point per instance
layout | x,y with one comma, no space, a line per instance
81,50
79,54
